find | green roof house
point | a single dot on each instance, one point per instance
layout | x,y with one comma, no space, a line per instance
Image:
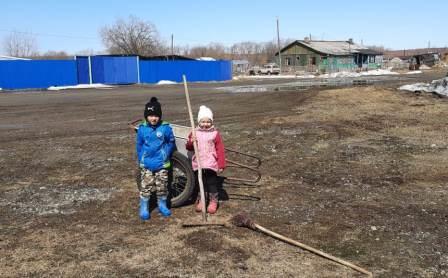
328,56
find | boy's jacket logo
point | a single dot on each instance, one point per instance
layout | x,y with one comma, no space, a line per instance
159,134
151,108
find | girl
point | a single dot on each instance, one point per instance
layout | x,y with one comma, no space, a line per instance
211,155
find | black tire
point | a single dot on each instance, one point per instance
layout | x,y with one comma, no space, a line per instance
182,183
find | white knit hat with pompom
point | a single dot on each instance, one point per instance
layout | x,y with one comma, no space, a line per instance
205,112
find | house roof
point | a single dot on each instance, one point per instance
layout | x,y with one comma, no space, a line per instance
166,57
337,48
2,57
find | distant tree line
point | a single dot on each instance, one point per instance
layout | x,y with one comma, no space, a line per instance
138,37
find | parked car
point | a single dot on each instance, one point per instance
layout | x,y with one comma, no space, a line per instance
254,70
268,69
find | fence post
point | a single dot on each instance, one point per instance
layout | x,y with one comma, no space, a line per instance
138,69
90,70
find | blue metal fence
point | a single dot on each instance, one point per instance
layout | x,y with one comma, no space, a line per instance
37,74
107,70
82,63
114,69
155,71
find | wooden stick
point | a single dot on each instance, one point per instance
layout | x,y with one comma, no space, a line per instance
205,224
196,151
311,249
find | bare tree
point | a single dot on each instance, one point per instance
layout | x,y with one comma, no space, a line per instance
133,36
378,48
256,53
54,55
215,50
86,52
20,44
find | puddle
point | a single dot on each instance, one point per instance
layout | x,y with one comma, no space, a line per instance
306,84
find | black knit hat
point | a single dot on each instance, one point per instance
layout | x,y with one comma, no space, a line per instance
153,108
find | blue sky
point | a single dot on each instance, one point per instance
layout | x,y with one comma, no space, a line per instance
74,25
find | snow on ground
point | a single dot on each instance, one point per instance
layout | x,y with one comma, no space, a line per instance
166,82
358,74
413,72
80,86
270,76
439,87
341,74
206,59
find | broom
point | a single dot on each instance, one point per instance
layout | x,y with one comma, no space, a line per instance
243,220
196,151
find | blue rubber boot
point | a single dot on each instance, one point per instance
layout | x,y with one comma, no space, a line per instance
163,209
144,208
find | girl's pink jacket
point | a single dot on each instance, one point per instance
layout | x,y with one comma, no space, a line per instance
211,149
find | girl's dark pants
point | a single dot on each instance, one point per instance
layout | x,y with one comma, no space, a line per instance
209,179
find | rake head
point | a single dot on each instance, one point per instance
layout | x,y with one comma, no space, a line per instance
242,220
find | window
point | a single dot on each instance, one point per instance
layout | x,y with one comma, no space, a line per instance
288,61
313,60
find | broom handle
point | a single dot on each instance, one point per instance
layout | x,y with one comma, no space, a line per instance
196,151
311,249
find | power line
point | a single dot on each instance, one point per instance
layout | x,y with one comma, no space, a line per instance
48,35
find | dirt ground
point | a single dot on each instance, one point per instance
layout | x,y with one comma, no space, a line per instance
359,172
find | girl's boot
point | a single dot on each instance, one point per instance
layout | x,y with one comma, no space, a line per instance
144,208
213,203
163,208
199,205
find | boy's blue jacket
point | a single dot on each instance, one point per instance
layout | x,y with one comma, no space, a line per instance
155,145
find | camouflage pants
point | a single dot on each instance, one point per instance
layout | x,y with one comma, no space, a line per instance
153,182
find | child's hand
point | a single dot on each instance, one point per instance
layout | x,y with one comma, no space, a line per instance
193,138
220,170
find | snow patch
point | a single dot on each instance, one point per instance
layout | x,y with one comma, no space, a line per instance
358,74
266,77
80,86
439,87
341,74
206,59
414,72
166,82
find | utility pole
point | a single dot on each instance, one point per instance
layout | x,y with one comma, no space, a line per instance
172,46
278,45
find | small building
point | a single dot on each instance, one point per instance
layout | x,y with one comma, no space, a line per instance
328,56
427,59
240,66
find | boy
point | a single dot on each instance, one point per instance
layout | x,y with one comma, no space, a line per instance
155,144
